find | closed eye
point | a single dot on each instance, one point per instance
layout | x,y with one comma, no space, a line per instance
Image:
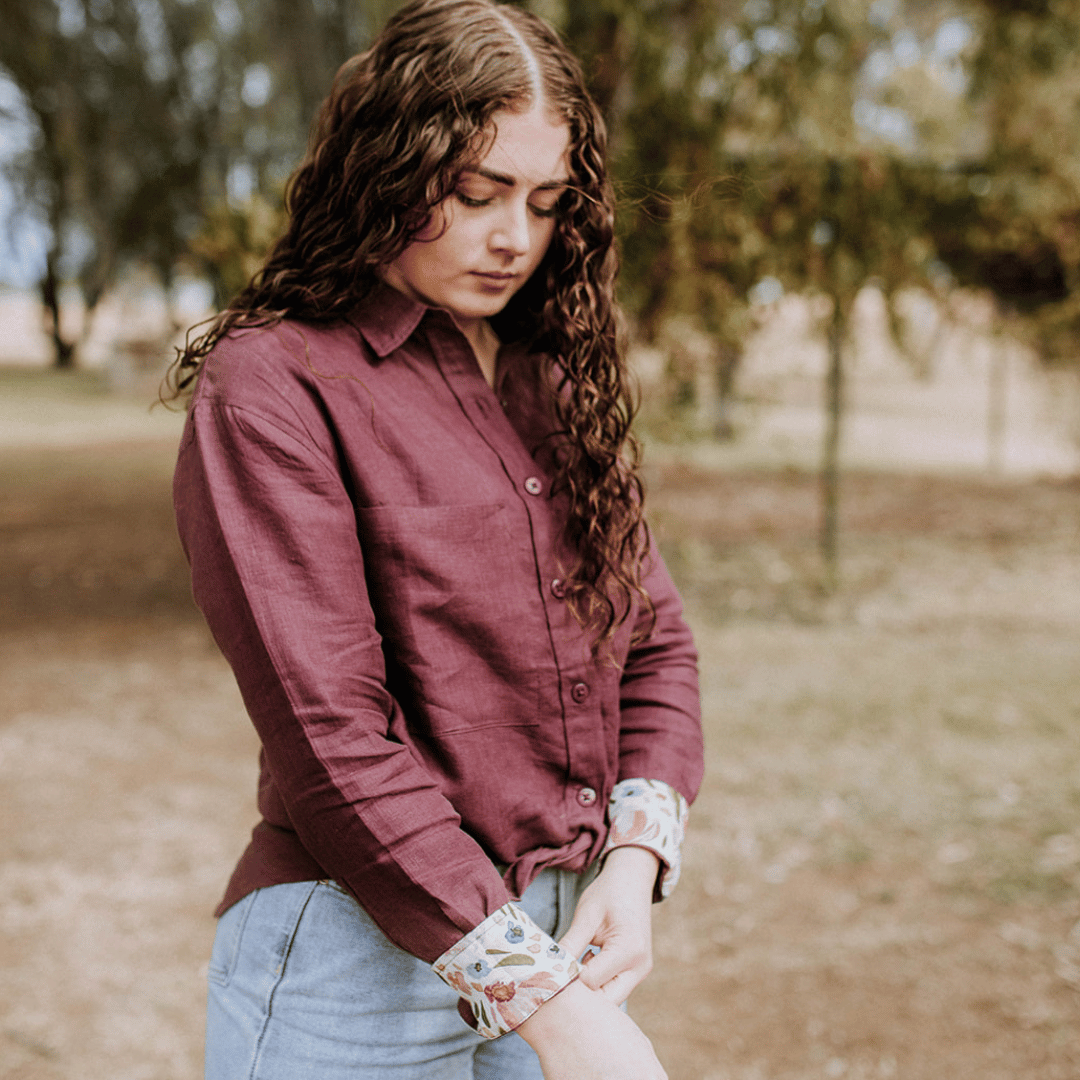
551,196
537,211
465,200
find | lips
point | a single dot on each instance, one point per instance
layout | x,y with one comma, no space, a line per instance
494,275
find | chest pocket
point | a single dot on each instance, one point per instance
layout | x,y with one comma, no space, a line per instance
455,594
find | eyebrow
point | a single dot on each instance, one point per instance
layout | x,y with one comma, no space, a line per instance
509,181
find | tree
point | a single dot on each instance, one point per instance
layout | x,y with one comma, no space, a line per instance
1020,239
113,167
737,146
157,120
832,143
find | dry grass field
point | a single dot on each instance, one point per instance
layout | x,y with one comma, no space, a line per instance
883,866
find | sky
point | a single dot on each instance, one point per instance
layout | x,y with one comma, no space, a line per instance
23,241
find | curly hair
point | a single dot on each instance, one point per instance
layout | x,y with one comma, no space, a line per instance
401,123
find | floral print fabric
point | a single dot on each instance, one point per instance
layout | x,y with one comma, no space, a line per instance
652,815
505,969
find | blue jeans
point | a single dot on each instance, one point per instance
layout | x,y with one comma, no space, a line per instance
304,986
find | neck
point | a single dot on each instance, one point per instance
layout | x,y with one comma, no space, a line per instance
477,331
485,345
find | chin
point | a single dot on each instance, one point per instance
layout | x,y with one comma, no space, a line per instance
479,309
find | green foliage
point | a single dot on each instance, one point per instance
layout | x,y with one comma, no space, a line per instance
748,139
233,241
158,121
745,144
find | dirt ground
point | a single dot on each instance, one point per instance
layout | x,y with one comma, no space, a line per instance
883,864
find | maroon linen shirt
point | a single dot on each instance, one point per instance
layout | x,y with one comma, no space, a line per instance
374,545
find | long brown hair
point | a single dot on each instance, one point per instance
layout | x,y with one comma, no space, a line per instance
402,121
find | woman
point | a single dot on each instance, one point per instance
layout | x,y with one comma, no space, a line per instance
408,496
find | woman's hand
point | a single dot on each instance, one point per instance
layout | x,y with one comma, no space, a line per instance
615,913
580,1034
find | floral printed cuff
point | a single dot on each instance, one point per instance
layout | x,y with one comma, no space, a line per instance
505,969
652,815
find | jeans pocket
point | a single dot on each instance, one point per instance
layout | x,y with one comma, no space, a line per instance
230,932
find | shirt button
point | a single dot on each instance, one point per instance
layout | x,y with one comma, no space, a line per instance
579,692
586,796
533,486
558,589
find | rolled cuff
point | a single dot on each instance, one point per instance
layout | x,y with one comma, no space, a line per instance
505,969
652,815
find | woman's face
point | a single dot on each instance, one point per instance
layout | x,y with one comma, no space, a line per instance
485,240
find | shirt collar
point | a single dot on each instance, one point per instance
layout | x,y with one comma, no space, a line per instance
386,318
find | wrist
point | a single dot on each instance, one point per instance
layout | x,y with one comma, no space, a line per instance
649,814
633,865
551,1019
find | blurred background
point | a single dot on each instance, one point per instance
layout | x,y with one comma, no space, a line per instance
850,239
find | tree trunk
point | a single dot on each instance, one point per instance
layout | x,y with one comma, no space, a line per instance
830,458
64,351
725,387
997,390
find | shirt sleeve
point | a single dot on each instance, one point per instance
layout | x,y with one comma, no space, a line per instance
504,970
652,815
661,750
270,532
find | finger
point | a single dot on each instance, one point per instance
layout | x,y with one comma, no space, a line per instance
618,989
622,986
592,979
583,932
613,959
593,982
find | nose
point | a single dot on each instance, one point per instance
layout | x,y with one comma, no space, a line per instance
511,233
